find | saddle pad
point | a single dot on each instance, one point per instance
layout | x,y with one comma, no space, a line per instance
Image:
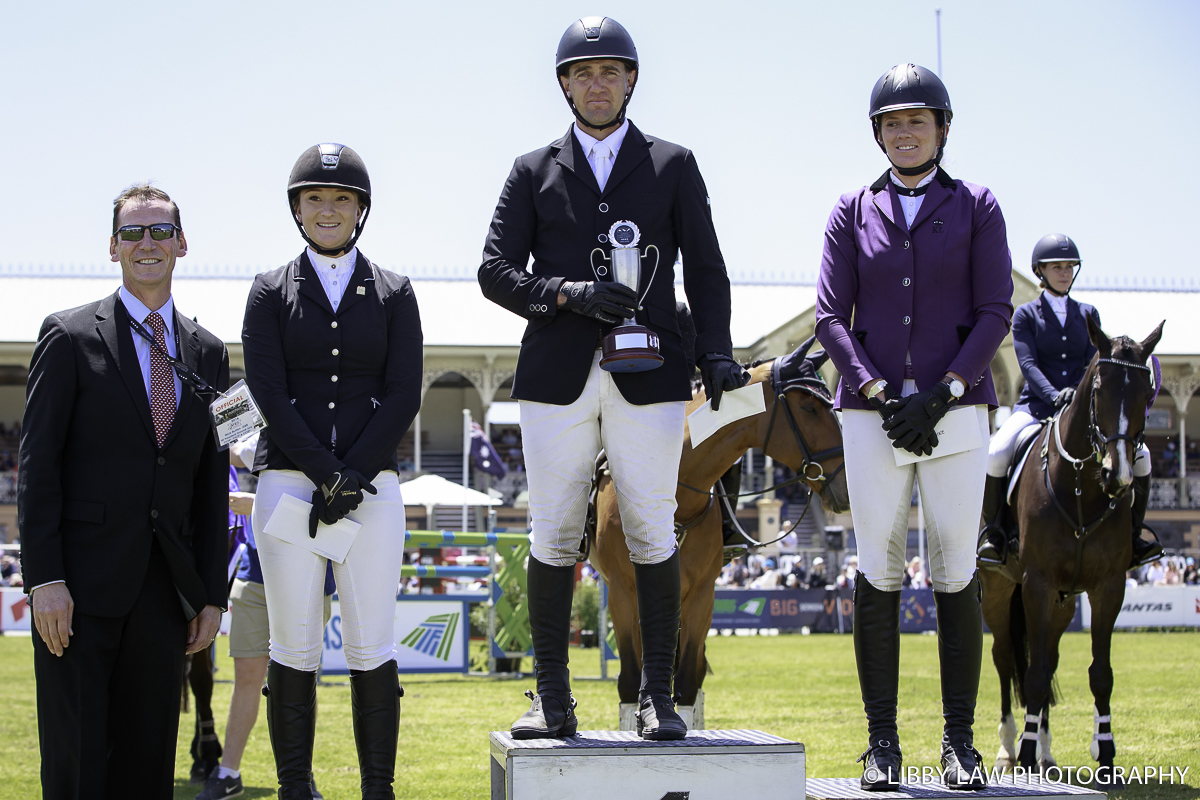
1025,440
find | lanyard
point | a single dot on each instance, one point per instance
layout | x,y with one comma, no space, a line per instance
185,373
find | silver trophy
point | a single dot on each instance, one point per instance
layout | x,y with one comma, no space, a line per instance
629,347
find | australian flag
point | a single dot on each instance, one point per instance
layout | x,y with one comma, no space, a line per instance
483,454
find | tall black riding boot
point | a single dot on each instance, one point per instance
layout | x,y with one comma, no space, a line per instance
291,720
993,540
960,653
375,704
658,610
1143,552
552,711
877,651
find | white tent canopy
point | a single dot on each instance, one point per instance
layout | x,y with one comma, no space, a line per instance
434,490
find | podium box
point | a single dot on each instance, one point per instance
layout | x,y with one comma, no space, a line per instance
619,765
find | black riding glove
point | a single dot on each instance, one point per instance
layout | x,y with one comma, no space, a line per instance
720,373
913,423
879,401
607,302
1064,397
337,497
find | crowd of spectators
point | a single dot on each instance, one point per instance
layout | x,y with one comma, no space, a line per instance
788,571
10,571
1167,571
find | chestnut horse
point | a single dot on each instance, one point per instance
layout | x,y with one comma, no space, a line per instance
809,442
1072,505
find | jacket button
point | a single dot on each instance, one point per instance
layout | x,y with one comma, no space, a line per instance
333,378
604,208
331,405
907,320
161,461
333,324
1064,372
335,351
907,245
154,513
1064,338
603,238
1064,355
906,282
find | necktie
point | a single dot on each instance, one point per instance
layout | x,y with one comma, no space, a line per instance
602,154
162,385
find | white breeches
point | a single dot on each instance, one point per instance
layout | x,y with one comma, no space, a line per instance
1004,441
881,496
643,444
367,581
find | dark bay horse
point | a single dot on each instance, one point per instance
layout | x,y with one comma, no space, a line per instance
1072,504
802,432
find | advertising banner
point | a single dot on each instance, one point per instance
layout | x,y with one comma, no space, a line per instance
1154,607
14,614
431,636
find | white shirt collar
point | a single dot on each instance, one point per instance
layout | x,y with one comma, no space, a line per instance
138,310
613,140
924,181
1057,302
330,262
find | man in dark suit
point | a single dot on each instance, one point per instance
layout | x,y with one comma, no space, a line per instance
122,511
558,206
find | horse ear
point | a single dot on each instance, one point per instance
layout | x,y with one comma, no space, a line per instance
803,349
817,359
1098,336
1151,341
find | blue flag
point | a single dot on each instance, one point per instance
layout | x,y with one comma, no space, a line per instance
483,454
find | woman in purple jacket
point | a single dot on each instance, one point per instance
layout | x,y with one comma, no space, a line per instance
914,298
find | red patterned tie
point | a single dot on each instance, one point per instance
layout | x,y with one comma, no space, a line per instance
162,385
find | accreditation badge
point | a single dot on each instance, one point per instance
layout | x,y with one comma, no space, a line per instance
235,416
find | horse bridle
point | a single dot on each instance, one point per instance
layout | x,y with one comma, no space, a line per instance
1098,441
814,387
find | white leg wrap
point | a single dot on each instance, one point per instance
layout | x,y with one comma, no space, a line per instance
1098,737
626,719
1007,756
693,716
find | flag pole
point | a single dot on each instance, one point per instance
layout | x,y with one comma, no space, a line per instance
466,475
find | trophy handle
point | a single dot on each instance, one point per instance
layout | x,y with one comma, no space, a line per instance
602,270
653,272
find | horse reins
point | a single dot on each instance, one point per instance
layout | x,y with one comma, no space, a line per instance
817,389
1098,441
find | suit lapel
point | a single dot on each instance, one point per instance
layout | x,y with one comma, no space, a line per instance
571,156
1048,315
886,203
937,193
310,285
112,324
634,150
360,279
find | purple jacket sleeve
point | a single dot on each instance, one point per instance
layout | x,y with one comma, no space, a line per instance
837,287
992,286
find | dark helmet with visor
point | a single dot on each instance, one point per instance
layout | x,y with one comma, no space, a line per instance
590,39
1055,247
911,86
332,166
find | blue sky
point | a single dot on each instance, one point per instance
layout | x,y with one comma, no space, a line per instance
1081,117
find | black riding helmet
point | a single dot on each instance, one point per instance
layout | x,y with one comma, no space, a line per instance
911,86
1055,247
334,166
594,38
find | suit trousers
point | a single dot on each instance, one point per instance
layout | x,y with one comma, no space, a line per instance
643,444
108,708
367,580
881,496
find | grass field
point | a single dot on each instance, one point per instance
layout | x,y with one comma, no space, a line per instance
800,687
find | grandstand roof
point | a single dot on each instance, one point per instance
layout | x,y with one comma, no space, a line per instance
454,312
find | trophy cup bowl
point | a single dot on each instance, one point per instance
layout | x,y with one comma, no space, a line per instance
629,347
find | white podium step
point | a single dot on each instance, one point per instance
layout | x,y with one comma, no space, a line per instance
1021,788
618,765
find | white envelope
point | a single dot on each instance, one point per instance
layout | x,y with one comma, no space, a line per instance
289,521
957,432
738,404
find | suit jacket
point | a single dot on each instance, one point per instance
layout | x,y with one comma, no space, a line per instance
941,291
553,210
1052,356
314,371
94,492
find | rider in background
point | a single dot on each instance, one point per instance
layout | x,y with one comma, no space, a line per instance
1050,337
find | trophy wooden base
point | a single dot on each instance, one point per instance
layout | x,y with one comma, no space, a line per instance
630,348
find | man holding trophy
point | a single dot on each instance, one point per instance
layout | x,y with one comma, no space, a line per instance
604,212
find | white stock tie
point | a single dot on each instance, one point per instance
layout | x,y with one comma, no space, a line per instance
602,163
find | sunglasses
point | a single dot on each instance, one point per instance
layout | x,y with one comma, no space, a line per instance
134,233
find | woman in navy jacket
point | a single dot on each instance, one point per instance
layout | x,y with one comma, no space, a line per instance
913,300
333,353
1051,340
